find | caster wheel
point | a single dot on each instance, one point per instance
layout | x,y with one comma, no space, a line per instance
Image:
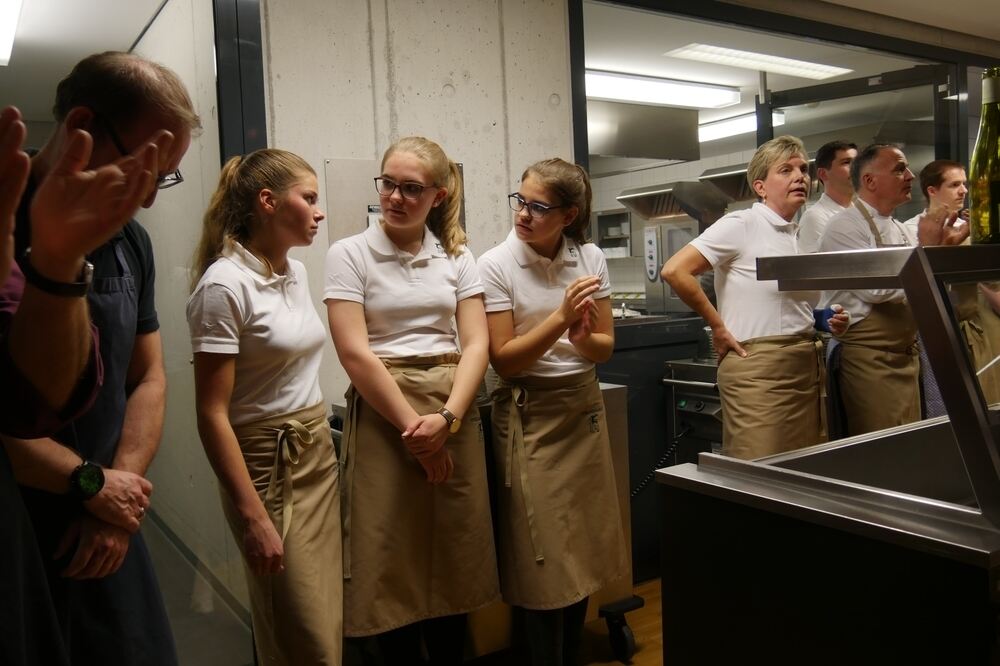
622,642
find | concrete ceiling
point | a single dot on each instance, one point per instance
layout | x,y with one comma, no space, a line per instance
53,35
973,17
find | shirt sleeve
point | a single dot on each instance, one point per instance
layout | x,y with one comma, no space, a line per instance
722,241
598,265
344,277
147,320
496,291
469,283
809,231
215,318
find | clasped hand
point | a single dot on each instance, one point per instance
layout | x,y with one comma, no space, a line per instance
424,439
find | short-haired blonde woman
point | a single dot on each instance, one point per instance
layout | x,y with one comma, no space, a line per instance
258,342
771,375
406,315
548,301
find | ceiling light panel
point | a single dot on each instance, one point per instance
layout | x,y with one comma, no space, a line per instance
734,126
616,87
721,55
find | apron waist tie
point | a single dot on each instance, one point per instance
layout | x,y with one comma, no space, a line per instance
515,442
346,462
293,439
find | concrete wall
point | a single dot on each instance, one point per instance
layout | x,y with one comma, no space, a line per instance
487,79
185,495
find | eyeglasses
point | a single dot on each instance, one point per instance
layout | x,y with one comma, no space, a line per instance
535,210
163,182
410,190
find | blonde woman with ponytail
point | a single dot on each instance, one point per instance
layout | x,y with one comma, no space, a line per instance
258,343
403,298
548,304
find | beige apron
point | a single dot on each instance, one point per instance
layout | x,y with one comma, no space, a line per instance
981,327
879,374
413,550
297,614
774,399
559,529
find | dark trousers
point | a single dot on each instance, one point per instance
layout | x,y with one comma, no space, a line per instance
443,638
553,637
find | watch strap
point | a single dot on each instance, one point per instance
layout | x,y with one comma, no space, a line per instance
454,423
54,287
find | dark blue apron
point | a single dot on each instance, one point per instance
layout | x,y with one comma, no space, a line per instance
119,619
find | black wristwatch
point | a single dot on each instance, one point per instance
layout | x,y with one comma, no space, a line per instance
67,289
86,480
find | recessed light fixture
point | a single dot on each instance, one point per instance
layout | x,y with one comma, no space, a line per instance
744,124
721,55
617,87
10,10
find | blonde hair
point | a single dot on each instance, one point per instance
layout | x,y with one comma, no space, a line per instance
571,184
231,214
770,153
444,220
121,87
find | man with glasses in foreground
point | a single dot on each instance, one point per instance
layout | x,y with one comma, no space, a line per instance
99,571
879,367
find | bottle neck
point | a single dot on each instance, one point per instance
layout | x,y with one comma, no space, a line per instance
991,90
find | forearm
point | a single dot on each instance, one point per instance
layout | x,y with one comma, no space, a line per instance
468,378
688,289
223,452
372,380
44,463
596,347
50,343
142,426
521,352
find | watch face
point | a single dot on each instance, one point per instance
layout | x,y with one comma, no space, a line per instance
90,480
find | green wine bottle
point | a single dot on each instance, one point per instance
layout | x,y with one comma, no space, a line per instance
984,171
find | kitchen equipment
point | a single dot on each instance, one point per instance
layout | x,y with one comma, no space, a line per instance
661,239
876,549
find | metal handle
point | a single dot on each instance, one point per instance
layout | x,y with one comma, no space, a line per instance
690,383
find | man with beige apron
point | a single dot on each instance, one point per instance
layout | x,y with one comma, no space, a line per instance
879,375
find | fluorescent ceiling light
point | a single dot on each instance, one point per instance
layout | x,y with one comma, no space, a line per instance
756,61
10,10
744,124
615,87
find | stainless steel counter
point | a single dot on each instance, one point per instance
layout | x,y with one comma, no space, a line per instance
882,548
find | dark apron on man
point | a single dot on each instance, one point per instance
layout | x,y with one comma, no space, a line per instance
119,619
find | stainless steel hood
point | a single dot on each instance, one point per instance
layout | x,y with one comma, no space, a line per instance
732,180
701,201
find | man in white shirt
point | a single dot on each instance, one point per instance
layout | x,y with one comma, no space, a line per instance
833,168
879,366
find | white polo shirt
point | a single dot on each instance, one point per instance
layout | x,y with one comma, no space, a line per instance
409,300
519,279
752,308
269,323
849,230
813,222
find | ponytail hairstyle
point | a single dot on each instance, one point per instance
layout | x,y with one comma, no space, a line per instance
444,221
232,213
571,185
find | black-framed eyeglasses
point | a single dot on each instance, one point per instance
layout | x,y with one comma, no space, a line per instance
163,182
536,210
409,189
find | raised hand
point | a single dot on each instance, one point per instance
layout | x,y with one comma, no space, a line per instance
938,227
14,168
76,210
581,329
577,293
